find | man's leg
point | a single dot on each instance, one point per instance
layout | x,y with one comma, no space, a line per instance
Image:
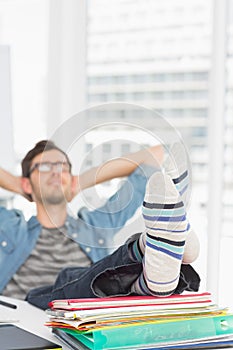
110,276
177,167
161,248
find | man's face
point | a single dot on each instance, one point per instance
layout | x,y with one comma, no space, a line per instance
53,186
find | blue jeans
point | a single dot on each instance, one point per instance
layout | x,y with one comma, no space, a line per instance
111,276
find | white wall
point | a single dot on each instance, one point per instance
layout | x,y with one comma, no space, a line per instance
6,129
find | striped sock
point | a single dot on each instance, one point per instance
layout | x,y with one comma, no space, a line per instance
177,167
166,231
137,249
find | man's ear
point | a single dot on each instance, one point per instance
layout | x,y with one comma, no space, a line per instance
26,188
26,185
74,187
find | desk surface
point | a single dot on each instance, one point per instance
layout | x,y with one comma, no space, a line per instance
28,317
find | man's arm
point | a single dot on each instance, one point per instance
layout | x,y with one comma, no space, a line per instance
120,167
10,182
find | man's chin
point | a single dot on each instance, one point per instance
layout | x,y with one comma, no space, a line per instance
54,200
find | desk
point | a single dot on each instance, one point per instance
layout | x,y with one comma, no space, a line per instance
29,318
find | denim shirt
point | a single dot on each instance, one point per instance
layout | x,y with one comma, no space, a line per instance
93,230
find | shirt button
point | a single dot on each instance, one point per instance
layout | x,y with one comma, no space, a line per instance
101,241
74,235
4,243
88,249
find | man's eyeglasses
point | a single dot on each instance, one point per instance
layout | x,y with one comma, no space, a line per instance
46,167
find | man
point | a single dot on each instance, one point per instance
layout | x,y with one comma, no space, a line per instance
33,252
155,262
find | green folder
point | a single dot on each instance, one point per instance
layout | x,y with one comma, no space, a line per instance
155,333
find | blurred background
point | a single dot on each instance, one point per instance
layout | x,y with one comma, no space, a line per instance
61,57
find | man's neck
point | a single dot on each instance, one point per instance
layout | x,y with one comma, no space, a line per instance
51,216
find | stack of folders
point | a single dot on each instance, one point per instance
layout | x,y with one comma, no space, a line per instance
187,321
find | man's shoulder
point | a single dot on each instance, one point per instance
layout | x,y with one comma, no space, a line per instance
12,222
10,213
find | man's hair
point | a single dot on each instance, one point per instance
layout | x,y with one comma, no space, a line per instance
40,147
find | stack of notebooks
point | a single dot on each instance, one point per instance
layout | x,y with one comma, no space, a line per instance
187,321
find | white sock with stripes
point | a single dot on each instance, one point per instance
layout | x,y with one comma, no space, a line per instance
166,232
178,167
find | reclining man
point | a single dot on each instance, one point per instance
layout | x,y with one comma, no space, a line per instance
154,262
33,252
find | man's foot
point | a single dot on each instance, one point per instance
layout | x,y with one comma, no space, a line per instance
166,231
